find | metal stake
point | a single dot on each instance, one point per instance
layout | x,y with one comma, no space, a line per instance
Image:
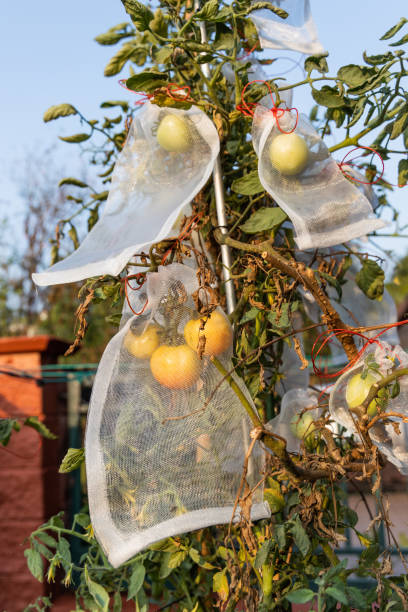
219,200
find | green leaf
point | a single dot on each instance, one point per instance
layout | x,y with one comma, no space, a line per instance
140,14
370,279
328,96
220,585
209,10
280,320
98,593
248,184
275,499
40,427
376,60
47,539
111,103
177,558
69,180
59,110
116,63
6,428
147,81
72,233
300,596
72,460
280,536
262,554
356,598
396,28
256,6
300,536
117,602
35,563
75,137
224,39
399,125
402,172
338,594
64,551
402,41
250,315
316,62
264,219
112,36
354,75
136,580
358,111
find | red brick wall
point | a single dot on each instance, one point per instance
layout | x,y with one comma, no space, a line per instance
30,488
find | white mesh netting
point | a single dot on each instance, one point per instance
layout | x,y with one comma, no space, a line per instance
151,474
297,32
294,423
168,157
352,388
300,174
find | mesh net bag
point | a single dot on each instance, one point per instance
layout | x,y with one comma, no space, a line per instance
296,168
352,388
297,32
166,435
294,423
168,157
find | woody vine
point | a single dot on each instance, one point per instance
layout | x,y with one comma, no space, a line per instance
293,556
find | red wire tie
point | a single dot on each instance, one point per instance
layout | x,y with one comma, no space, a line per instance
247,53
345,162
174,91
140,279
341,332
247,109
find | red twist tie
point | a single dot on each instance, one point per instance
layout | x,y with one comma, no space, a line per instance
247,109
143,97
330,334
183,92
350,163
140,279
247,53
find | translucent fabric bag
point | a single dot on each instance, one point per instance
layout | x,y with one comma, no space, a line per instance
168,157
294,423
297,32
350,390
297,170
166,435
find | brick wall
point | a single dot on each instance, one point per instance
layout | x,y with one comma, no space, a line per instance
31,490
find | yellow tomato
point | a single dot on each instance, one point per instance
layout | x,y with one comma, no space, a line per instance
217,332
142,345
175,367
173,134
302,426
358,389
289,154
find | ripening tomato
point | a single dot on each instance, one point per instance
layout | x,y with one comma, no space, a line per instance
302,426
173,134
358,389
142,345
175,367
217,332
289,154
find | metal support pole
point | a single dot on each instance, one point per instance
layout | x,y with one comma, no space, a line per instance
220,201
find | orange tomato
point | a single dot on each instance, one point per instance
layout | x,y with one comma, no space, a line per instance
142,345
217,332
175,367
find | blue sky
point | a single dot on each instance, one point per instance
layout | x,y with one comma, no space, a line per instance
49,56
